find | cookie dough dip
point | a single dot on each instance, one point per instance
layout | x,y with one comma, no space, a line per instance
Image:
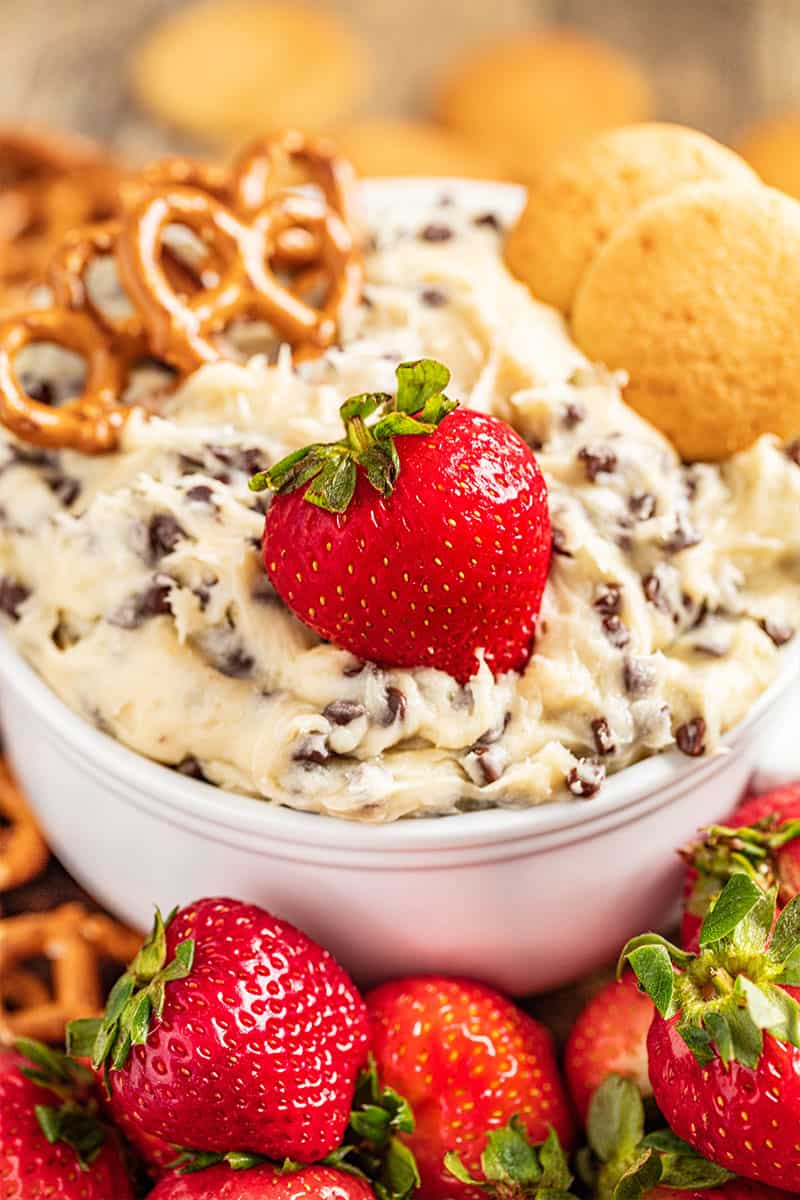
134,583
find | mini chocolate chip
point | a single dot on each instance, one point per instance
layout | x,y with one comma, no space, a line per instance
682,537
66,488
201,493
12,596
343,712
639,677
607,598
487,220
642,505
189,465
436,232
616,631
248,460
236,664
353,670
486,764
691,737
779,633
434,297
586,778
163,535
40,390
793,451
153,602
560,543
313,750
603,739
29,456
396,705
597,460
573,413
190,767
651,586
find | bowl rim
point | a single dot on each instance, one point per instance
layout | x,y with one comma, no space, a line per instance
202,803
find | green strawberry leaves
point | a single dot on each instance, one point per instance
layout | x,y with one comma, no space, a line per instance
135,1001
512,1167
330,469
73,1120
730,994
628,1164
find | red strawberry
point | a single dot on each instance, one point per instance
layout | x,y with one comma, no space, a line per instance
231,1030
467,1061
263,1183
627,1162
609,1038
51,1143
757,839
724,1047
420,539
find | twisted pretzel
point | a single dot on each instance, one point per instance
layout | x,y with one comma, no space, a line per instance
32,153
76,942
181,328
23,851
92,422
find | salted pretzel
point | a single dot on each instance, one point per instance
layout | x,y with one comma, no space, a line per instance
181,328
23,851
76,943
92,422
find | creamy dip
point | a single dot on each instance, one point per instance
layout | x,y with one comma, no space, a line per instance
133,582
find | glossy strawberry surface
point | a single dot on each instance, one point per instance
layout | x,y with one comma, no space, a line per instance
609,1038
263,1183
452,562
33,1169
745,1119
467,1060
258,1048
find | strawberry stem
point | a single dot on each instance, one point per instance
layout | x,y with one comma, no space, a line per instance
74,1121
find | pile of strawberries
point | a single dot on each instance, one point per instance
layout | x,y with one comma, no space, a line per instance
236,1060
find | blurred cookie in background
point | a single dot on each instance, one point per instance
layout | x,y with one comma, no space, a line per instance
226,70
587,193
527,98
772,147
386,147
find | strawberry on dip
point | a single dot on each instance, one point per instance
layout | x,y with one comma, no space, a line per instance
421,539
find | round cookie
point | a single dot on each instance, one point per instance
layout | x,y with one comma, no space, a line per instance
231,69
396,147
772,148
528,97
696,298
578,203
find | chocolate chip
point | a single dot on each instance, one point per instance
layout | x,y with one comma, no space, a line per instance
30,457
779,633
597,460
603,739
40,390
573,414
642,505
436,232
343,712
434,297
66,488
248,460
236,664
163,535
651,586
793,451
396,705
191,768
691,737
313,750
638,676
560,544
354,670
682,537
153,602
201,493
12,596
487,220
485,764
189,465
607,598
616,632
586,778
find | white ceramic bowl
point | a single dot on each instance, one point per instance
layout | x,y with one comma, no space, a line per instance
526,900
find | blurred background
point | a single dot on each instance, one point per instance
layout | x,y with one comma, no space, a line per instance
150,75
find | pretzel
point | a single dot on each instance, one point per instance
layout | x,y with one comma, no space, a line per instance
21,988
76,942
92,422
181,328
23,852
33,153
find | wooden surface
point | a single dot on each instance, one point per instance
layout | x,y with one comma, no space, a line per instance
715,62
